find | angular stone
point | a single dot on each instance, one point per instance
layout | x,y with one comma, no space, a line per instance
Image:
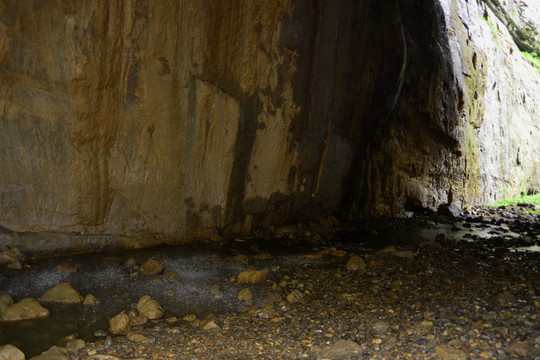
62,293
25,309
10,352
152,267
120,324
90,300
150,308
252,277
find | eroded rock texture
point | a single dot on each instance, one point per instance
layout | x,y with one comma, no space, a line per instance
129,123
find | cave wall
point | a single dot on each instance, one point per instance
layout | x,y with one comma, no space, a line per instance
130,123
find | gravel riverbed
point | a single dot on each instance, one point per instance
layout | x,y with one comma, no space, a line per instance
422,288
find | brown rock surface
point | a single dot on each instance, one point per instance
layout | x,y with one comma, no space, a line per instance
5,302
120,324
128,124
149,308
25,309
252,277
62,293
10,352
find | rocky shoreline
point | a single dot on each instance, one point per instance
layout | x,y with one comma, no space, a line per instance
429,287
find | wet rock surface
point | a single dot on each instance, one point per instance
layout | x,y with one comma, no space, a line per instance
421,288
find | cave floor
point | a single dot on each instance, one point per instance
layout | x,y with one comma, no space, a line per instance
431,288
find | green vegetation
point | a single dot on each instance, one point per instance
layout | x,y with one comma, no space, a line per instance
490,23
527,199
534,59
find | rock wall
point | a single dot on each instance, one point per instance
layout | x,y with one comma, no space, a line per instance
129,123
501,103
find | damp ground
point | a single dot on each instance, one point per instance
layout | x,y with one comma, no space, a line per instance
431,287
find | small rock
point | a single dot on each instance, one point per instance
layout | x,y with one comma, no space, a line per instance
11,256
380,327
216,238
521,348
215,289
75,345
241,258
151,267
10,352
130,263
387,250
209,325
25,309
149,308
252,277
264,313
136,337
190,317
342,349
5,302
66,268
445,352
54,353
120,324
295,296
395,285
245,295
171,276
356,263
62,293
90,300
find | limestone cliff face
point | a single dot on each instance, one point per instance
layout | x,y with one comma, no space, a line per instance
501,101
129,123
